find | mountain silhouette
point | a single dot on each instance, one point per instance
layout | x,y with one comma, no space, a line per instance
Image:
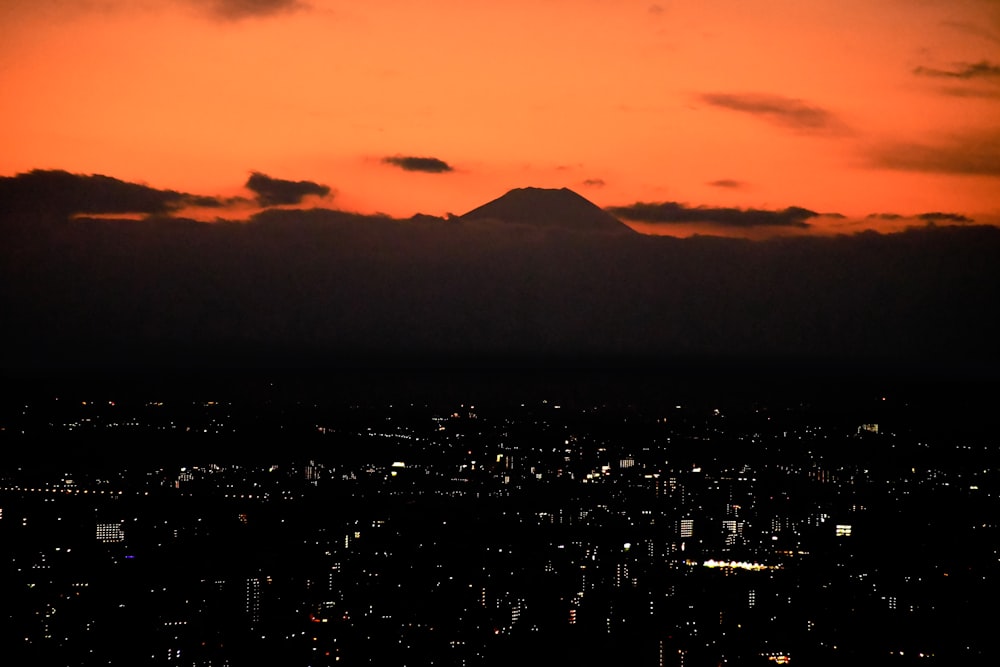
551,208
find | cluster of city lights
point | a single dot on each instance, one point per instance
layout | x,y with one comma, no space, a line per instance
737,565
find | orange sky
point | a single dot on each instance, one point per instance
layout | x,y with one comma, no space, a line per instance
846,106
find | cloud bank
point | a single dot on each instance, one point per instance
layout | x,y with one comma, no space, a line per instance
65,194
938,216
931,217
673,212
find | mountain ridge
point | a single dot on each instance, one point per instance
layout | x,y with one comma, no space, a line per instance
560,208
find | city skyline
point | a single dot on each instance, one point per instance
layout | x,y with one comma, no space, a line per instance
660,525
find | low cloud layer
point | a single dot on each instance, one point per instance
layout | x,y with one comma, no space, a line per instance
784,111
431,165
938,216
932,217
64,194
277,191
675,213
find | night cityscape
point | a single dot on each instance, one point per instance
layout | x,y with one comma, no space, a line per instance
569,522
396,334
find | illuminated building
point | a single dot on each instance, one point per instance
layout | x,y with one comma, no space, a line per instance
733,530
110,532
252,601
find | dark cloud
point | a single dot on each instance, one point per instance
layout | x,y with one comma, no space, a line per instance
277,191
594,182
784,111
64,194
972,153
984,69
672,212
937,216
726,183
211,202
932,217
236,10
430,165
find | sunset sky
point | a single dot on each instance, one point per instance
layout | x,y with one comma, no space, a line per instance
877,111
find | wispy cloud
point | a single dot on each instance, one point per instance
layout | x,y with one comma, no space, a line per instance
237,10
984,69
784,111
221,10
726,183
594,182
430,165
977,30
675,213
277,191
973,153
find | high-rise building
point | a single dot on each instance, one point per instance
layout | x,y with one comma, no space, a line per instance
110,532
733,530
252,601
515,611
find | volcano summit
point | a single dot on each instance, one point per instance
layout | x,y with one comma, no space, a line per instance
550,208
